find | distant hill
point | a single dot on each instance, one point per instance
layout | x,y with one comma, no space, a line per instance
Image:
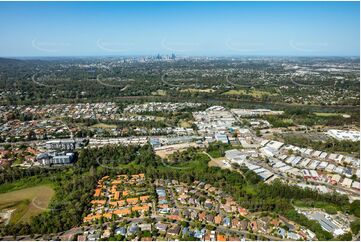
13,62
10,61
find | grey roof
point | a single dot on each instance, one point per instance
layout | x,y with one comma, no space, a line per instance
324,222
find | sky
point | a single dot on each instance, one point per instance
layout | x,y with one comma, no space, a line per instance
182,28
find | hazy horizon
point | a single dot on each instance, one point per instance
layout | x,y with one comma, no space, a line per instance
180,56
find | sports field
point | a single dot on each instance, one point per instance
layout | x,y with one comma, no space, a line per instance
26,202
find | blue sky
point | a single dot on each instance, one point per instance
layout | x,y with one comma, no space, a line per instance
183,28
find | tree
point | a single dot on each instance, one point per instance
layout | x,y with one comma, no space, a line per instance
344,237
355,208
355,226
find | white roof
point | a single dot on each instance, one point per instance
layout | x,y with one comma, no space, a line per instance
290,159
285,168
344,134
336,178
356,185
268,151
332,156
231,154
339,170
294,171
316,153
304,162
322,165
346,182
259,170
339,157
306,172
296,160
275,144
348,159
282,157
264,142
252,167
323,155
330,167
278,164
313,173
308,151
313,164
265,175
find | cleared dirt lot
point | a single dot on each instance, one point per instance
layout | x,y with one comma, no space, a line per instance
220,162
164,151
26,202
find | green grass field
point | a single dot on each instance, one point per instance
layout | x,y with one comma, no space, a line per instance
253,93
25,183
104,126
27,202
215,153
195,90
185,123
330,114
330,209
159,93
250,189
200,162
